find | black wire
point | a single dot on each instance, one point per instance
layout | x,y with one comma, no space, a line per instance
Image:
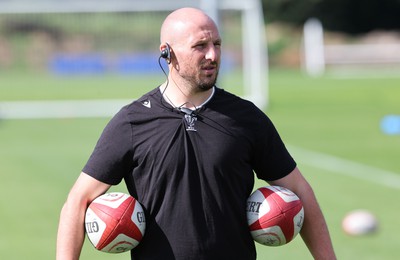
162,92
166,85
186,111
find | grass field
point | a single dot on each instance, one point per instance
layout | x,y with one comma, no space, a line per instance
328,116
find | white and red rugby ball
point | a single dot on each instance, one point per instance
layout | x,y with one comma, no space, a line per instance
115,222
275,215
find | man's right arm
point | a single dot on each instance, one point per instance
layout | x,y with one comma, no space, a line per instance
71,233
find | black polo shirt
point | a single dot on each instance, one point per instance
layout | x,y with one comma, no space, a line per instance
191,171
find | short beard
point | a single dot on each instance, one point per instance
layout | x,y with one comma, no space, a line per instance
201,85
206,85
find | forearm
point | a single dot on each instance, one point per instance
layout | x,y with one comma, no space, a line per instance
71,229
71,233
315,232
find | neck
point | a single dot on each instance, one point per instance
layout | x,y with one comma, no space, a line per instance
177,96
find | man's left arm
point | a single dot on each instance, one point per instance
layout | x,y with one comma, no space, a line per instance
314,232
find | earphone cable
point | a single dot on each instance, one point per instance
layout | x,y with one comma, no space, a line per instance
166,83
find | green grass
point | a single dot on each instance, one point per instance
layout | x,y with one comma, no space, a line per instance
41,86
338,116
40,159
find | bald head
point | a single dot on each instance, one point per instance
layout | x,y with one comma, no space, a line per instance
180,23
195,49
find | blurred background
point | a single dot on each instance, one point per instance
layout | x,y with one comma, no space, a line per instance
36,36
327,72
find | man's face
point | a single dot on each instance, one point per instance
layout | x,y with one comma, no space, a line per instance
198,56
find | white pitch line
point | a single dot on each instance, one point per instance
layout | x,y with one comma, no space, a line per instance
346,167
60,108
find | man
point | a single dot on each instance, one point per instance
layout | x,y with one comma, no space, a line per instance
187,151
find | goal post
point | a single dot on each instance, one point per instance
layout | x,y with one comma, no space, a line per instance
241,22
352,58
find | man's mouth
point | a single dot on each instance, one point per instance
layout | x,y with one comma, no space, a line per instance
209,69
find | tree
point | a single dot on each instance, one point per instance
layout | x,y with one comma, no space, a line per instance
350,16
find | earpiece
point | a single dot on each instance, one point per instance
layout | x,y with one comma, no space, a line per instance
166,53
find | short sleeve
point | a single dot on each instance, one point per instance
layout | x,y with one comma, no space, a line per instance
272,160
111,158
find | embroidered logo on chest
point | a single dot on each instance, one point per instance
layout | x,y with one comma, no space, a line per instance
190,119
